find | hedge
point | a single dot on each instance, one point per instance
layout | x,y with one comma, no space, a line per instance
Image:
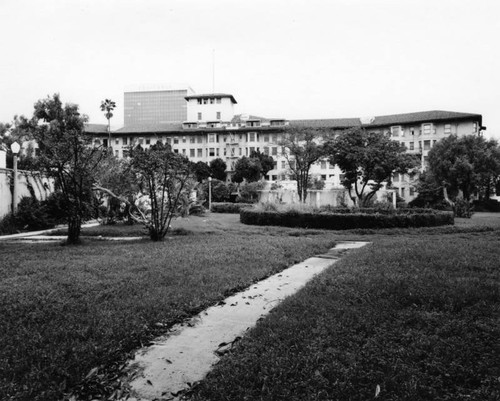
229,207
345,221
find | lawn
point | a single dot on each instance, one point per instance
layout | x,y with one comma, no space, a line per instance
66,310
407,318
416,313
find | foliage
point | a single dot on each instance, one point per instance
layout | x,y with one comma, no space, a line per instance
302,148
201,171
368,160
229,207
469,164
162,176
317,183
66,155
218,169
250,192
266,161
345,221
247,168
16,132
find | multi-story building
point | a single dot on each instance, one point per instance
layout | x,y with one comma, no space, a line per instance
155,104
212,130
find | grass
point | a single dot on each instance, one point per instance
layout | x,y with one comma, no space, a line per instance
415,317
68,310
72,315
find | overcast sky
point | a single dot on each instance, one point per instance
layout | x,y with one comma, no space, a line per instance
279,58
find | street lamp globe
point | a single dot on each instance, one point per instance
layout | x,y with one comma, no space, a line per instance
15,147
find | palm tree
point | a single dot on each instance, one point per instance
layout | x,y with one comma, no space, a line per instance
108,106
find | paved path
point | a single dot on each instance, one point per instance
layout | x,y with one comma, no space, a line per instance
189,351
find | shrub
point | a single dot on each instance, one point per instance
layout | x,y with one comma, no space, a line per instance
347,219
463,208
229,207
250,192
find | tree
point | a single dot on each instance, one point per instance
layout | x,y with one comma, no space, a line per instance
108,106
368,160
163,176
266,161
67,155
201,171
465,166
247,168
218,169
302,148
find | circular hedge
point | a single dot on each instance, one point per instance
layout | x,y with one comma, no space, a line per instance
344,219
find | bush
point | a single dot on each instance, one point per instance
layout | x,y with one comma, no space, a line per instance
229,207
347,219
463,208
487,205
250,192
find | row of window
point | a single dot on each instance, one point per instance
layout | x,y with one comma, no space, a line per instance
210,100
427,129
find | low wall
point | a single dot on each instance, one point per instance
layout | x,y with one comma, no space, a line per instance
29,184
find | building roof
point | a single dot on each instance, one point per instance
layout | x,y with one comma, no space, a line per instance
422,117
150,128
388,120
241,118
209,95
96,128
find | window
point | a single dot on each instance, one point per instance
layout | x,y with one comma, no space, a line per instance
199,101
426,129
199,139
396,177
412,191
148,141
240,151
199,116
191,152
141,141
97,142
396,130
183,151
211,152
274,138
169,140
251,136
176,150
412,145
252,149
183,139
217,151
211,138
176,141
266,150
200,152
205,101
274,151
125,141
225,152
218,100
474,127
266,138
323,165
232,152
192,139
212,100
427,145
403,192
323,177
218,115
117,141
447,129
283,164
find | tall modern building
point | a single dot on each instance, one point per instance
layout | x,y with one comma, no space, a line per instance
155,104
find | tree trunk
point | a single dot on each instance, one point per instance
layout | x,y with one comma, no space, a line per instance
74,229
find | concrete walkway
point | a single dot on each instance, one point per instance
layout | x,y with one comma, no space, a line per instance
185,355
41,233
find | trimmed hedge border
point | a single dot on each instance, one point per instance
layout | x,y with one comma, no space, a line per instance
345,221
226,207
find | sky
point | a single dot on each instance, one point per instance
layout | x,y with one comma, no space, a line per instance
293,59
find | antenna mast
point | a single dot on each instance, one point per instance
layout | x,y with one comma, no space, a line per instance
213,70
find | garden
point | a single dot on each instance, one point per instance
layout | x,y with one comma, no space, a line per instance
414,315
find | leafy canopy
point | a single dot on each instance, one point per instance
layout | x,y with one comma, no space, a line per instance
368,160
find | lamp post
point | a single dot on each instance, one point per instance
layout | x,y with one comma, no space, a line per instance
15,147
209,194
